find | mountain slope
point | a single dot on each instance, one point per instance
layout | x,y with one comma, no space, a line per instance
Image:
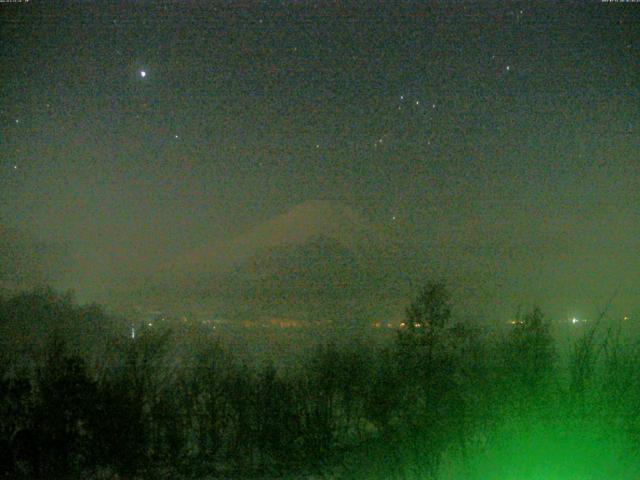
319,260
294,227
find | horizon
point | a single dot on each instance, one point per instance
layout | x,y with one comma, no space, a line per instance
491,146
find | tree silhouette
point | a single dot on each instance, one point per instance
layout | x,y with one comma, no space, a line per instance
64,411
426,319
529,358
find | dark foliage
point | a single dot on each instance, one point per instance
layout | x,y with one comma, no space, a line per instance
392,411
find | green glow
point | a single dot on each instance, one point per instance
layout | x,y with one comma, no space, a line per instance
555,450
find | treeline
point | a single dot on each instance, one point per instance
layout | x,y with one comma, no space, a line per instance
442,400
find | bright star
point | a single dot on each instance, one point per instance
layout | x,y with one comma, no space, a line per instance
143,73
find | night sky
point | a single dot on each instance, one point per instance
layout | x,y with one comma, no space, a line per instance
499,140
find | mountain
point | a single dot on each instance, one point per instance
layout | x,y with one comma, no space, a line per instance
27,262
317,261
294,227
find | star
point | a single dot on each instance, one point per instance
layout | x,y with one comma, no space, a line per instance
508,68
143,73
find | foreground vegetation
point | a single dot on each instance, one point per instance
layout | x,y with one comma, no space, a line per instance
443,400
